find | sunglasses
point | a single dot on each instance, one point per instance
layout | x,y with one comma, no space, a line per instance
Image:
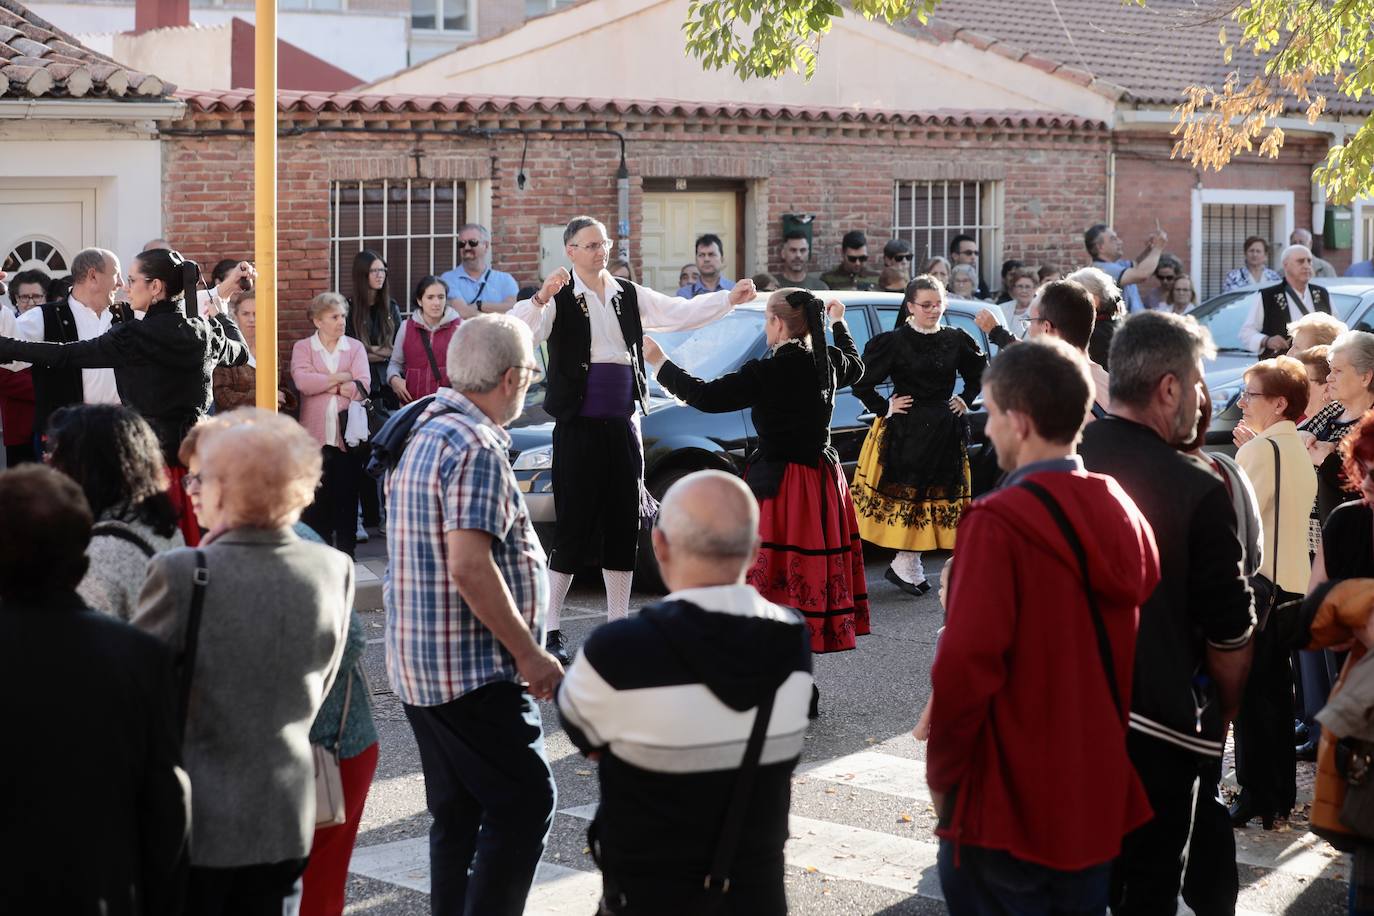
470,243
856,258
901,257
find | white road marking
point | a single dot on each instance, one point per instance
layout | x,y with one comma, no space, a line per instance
885,773
557,890
856,854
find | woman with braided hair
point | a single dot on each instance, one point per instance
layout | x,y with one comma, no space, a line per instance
912,481
811,558
164,364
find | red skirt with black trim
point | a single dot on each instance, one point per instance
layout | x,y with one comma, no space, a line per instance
812,557
181,502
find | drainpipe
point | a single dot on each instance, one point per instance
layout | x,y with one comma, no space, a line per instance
1111,188
622,186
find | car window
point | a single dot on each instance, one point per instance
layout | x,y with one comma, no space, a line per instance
1224,315
887,317
720,347
859,320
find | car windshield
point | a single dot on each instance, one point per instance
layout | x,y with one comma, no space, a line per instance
710,352
1225,314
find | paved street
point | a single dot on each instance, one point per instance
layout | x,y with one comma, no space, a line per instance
862,839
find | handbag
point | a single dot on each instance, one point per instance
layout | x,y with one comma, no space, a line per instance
330,809
377,412
1355,763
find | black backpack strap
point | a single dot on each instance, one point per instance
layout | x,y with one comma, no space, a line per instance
123,533
199,579
429,353
718,881
1104,646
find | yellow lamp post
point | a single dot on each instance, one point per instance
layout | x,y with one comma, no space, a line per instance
265,198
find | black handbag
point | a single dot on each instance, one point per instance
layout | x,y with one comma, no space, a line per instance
1266,589
1355,763
377,414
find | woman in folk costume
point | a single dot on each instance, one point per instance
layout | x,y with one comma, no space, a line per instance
912,482
811,558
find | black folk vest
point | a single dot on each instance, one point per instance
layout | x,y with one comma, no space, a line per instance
54,389
1275,301
570,349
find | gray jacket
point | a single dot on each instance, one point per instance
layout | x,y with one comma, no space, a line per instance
272,634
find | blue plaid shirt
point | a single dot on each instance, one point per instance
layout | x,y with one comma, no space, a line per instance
454,475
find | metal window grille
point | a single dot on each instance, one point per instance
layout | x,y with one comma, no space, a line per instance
412,223
1225,227
927,214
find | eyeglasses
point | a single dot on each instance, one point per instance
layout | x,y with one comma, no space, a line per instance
1038,320
378,271
856,258
35,298
593,247
469,243
928,305
1166,278
191,482
1248,395
536,374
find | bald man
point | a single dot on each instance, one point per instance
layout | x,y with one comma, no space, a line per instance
670,703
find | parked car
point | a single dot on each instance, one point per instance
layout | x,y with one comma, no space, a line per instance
1352,301
679,439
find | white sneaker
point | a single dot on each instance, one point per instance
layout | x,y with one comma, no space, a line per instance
362,534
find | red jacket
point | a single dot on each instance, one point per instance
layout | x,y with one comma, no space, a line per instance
1022,719
16,406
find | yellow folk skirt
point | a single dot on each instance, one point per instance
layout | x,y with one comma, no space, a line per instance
904,518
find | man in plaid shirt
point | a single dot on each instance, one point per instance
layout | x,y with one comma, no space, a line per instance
466,593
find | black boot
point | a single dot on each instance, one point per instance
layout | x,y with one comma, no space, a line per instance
553,644
815,711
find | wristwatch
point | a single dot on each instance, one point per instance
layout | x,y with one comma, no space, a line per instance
478,305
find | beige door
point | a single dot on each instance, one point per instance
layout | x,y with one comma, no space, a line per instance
44,224
672,222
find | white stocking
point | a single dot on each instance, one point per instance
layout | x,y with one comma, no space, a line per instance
907,565
617,592
559,583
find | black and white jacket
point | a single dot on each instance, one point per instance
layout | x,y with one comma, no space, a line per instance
667,699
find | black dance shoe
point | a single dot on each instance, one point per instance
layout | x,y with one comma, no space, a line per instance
1242,812
911,589
1300,732
1307,751
553,644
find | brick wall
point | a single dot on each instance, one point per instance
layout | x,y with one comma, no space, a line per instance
1150,186
1054,186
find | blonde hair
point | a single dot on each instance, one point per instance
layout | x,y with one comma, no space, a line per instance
1325,328
266,464
325,302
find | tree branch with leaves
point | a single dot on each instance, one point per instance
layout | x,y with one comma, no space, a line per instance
1309,49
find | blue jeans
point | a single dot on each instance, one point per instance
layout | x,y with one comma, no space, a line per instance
990,882
491,792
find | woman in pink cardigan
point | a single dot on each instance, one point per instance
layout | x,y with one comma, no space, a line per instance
324,367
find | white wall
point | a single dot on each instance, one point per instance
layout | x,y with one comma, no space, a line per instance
127,176
369,46
862,65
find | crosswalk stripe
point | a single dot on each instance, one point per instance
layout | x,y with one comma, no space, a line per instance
903,777
558,890
835,850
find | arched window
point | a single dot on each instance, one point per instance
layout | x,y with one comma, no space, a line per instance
36,252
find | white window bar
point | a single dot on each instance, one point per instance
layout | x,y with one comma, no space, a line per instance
411,243
940,220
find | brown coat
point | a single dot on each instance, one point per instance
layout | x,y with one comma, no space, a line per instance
236,386
1343,610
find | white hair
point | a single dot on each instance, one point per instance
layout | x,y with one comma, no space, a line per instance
1358,347
1293,249
1099,284
1300,236
483,348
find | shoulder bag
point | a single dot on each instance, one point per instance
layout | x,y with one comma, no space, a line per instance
1104,646
330,809
1266,589
377,412
717,883
123,533
200,578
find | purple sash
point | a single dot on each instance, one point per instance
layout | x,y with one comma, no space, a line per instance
610,392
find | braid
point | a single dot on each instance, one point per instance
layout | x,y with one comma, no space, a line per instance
815,320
